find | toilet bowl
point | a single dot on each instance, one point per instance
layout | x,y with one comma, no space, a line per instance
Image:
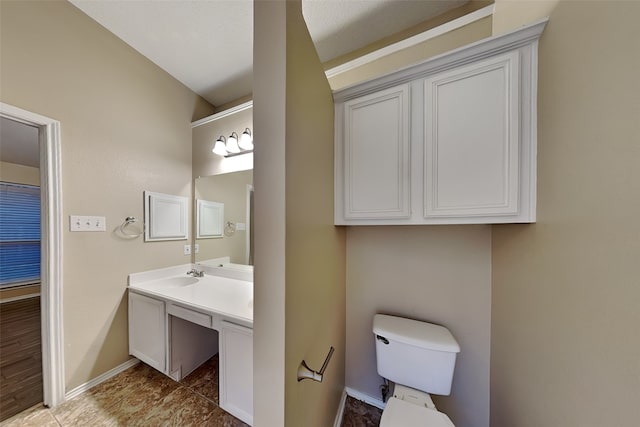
399,413
418,358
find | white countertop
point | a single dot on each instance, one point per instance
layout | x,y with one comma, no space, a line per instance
230,298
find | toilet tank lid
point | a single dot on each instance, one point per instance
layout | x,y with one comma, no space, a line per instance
414,332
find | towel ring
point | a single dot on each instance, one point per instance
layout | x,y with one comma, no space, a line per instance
128,221
230,228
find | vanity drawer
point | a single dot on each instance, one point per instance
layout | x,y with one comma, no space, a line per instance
190,315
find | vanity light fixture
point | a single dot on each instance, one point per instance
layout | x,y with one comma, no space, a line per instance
232,143
234,146
246,140
220,146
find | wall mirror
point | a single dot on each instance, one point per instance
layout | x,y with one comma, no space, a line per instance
234,246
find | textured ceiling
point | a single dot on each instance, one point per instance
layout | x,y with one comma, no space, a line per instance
207,44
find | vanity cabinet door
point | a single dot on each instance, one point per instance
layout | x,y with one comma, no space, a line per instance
147,330
236,371
374,175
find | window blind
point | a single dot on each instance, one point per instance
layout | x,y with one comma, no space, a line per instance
19,234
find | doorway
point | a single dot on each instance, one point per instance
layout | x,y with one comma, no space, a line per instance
20,321
50,307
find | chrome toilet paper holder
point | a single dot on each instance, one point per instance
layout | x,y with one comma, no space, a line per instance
306,373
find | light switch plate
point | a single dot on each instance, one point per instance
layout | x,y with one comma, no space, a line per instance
87,223
187,250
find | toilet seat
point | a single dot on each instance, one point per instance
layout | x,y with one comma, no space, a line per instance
399,413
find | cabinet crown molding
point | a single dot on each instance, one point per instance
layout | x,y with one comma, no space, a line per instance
466,54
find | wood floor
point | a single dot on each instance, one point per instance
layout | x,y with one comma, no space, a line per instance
20,356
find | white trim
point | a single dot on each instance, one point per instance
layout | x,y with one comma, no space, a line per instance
222,114
365,398
101,378
247,249
411,41
51,257
340,413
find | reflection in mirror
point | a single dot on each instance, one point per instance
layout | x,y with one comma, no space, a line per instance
235,191
209,219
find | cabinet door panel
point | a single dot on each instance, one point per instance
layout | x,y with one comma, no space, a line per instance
472,139
236,371
147,325
376,152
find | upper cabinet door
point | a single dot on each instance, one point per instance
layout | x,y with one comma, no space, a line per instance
472,139
376,156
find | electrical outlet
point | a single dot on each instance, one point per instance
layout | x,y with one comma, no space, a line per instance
187,249
87,223
196,248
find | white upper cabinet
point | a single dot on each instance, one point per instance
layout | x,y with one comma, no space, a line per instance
448,141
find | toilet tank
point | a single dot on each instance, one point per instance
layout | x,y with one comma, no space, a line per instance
415,354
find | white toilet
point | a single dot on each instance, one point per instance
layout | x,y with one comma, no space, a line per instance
418,358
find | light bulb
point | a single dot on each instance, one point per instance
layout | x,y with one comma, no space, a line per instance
246,140
219,147
232,143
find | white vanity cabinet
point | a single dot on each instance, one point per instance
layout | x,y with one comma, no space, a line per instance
147,330
448,141
177,322
236,371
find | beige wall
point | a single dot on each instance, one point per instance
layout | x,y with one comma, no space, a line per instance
230,189
299,258
438,274
315,248
511,14
19,174
566,290
204,162
269,118
125,129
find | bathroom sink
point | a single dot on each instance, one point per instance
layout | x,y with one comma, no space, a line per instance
176,282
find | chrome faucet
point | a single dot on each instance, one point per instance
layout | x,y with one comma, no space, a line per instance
195,273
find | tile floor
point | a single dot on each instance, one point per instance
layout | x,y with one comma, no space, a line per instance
360,414
141,396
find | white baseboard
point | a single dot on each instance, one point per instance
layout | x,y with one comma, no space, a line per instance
101,378
340,414
365,398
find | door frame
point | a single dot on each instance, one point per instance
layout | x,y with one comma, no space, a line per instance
51,250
